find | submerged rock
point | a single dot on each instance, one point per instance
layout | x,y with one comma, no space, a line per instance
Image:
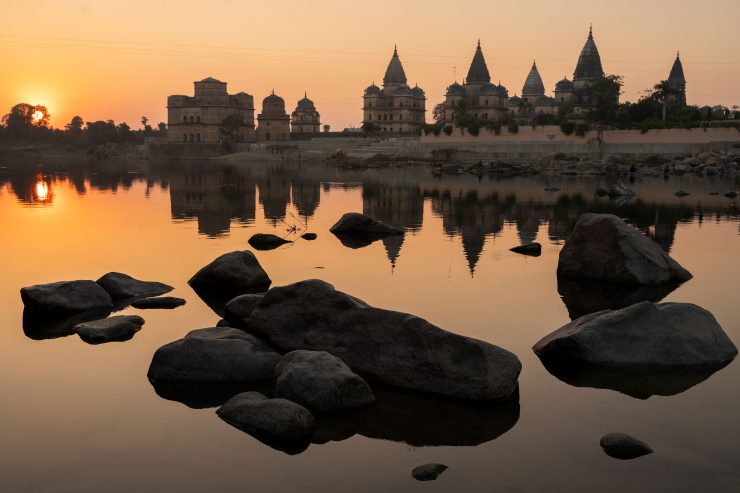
428,472
113,329
356,223
530,249
682,193
552,189
603,248
231,274
645,335
382,345
65,298
321,382
263,241
238,310
620,190
309,236
214,355
278,422
166,302
624,447
731,195
123,287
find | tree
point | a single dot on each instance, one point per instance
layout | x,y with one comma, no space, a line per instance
603,95
100,132
370,128
144,121
231,124
162,127
327,128
124,133
24,118
74,127
438,114
663,92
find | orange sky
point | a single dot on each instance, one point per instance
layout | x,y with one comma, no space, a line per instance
120,59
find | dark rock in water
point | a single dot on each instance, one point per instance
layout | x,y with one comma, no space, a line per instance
166,302
420,420
602,192
205,395
122,287
113,329
382,345
224,323
428,472
321,382
262,241
356,223
623,446
279,423
583,297
65,298
620,190
214,355
552,189
530,249
309,236
40,326
230,275
637,383
731,195
643,336
239,309
681,193
603,248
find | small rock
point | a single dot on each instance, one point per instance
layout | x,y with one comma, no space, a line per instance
530,249
428,472
624,447
552,189
238,310
166,302
356,223
731,195
122,286
66,298
681,193
113,329
271,419
602,192
262,241
234,273
309,236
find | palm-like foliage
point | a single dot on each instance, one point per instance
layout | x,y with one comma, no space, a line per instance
663,92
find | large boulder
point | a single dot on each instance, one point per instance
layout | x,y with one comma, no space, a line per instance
356,223
274,421
65,298
238,310
644,335
231,274
320,381
382,345
215,355
603,248
266,241
113,329
124,287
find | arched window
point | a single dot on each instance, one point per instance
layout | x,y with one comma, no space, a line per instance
192,138
198,119
184,137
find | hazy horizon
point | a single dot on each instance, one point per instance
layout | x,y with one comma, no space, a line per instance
121,60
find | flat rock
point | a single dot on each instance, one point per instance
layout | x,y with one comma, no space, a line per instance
214,355
265,241
356,223
113,329
66,298
382,345
623,446
238,310
166,302
530,249
604,248
122,286
233,273
645,335
320,381
270,420
428,472
309,236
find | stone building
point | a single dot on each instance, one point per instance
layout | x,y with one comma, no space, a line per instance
273,124
533,101
305,119
477,96
200,118
573,95
678,81
396,108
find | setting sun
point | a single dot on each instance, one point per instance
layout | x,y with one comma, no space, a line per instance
42,189
37,116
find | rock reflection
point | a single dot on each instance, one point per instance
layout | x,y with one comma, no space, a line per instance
202,396
40,326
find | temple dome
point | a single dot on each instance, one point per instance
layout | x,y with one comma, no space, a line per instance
372,89
564,85
514,101
455,89
394,74
502,91
273,105
676,76
533,86
417,91
306,104
478,71
489,90
589,63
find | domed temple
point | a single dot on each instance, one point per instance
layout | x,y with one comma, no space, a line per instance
533,101
678,81
396,108
305,119
273,124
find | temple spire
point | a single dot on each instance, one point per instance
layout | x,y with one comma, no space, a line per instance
395,74
478,72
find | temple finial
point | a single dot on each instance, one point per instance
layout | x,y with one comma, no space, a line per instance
305,94
395,50
590,31
479,43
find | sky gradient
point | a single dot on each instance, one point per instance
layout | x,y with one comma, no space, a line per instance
121,59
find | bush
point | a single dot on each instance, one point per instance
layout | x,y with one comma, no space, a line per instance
581,129
513,128
447,130
494,127
474,129
567,128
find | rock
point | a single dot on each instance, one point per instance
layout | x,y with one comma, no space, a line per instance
602,192
530,249
692,162
645,335
321,382
238,310
356,223
166,302
231,274
603,248
382,345
66,298
44,326
681,193
309,236
681,168
428,472
620,190
124,287
731,194
113,329
623,446
711,170
214,355
275,421
552,189
262,241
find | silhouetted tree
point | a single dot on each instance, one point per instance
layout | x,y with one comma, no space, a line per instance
438,113
603,94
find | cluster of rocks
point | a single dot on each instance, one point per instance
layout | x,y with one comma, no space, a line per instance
82,306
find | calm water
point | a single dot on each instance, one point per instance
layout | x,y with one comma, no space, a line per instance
85,418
